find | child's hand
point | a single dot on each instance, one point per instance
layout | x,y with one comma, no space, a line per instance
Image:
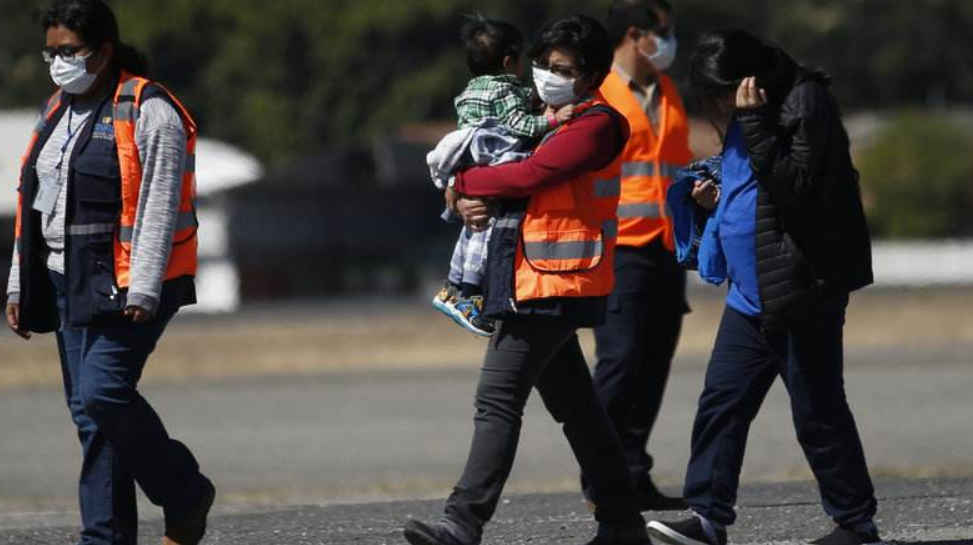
564,113
451,197
706,194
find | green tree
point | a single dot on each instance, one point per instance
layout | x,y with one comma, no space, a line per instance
919,177
287,77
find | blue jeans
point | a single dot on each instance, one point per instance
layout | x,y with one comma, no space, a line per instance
744,364
122,438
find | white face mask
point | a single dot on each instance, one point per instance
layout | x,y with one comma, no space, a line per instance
72,75
553,89
665,52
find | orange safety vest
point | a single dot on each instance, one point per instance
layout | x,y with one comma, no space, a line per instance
649,162
183,259
568,234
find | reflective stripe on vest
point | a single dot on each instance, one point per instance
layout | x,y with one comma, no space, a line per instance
647,168
578,249
184,220
640,210
575,249
611,187
90,229
125,109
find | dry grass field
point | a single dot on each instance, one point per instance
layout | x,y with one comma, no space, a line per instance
413,336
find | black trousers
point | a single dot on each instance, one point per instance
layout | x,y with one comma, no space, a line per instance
541,352
636,344
744,364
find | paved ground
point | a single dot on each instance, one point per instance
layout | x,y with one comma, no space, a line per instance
347,438
930,512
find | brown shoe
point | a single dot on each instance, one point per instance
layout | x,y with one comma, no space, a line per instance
192,530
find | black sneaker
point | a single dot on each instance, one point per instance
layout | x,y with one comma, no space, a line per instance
844,536
684,532
651,499
627,535
420,533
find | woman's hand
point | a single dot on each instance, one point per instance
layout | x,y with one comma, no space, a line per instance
475,213
749,97
13,321
706,193
138,314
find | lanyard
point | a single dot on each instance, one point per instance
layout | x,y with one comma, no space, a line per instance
71,134
50,189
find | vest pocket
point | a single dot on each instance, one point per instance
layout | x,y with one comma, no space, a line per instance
96,188
107,299
564,251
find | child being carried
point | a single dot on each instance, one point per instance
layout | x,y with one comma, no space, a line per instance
497,124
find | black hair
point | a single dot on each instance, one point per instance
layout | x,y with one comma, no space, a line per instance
94,22
488,42
641,14
583,36
723,58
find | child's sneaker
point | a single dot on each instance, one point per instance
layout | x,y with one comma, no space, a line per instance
445,300
469,314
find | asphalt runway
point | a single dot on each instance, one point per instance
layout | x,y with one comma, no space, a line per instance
348,438
911,512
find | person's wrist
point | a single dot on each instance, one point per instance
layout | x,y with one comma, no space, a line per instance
551,120
146,302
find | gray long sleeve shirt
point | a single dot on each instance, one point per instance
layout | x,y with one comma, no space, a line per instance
161,140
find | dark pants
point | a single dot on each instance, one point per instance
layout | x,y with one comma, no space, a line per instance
743,366
636,345
541,351
122,439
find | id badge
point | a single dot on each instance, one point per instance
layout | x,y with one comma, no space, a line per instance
47,194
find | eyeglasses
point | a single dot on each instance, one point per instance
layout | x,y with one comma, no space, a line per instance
66,52
563,70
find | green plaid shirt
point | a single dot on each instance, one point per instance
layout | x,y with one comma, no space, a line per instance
503,97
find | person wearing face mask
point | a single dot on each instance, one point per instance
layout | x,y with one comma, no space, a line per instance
496,124
105,255
793,243
636,344
549,273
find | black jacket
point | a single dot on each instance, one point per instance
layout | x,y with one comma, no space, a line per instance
812,242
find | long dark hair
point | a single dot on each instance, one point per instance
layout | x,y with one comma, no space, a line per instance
94,22
723,58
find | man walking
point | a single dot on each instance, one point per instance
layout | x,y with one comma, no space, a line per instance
637,342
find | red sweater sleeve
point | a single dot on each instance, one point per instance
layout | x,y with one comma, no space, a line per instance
585,144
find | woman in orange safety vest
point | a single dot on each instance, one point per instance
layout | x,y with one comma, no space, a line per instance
105,255
549,273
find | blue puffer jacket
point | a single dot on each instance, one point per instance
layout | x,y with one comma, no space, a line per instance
696,230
